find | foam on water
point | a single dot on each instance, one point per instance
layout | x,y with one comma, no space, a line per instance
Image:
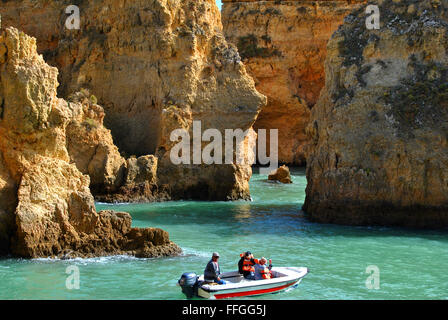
194,252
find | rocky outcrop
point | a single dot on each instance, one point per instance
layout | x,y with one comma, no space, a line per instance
154,66
282,175
283,45
380,127
90,145
140,183
46,205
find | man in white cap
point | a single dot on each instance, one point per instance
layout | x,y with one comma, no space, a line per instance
212,270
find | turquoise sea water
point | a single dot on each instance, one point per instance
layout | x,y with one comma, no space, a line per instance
412,264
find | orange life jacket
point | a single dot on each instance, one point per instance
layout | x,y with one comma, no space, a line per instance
248,265
266,273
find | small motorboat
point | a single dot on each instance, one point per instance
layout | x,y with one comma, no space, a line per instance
238,286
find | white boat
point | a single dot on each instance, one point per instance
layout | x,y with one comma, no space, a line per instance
238,286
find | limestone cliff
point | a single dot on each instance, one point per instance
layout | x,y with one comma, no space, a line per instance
380,127
91,147
90,144
283,45
46,205
154,66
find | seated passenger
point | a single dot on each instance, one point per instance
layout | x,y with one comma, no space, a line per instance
262,271
246,265
212,270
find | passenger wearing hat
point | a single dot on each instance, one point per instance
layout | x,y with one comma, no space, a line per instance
212,270
246,265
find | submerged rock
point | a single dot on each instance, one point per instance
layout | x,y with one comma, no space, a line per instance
380,127
155,66
46,206
281,174
283,45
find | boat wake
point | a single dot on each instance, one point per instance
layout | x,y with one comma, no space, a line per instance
188,252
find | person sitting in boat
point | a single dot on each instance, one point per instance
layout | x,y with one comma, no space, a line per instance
262,271
246,265
212,270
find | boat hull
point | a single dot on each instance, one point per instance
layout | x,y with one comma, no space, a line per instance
285,278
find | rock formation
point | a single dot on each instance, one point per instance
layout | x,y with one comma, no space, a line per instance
282,175
380,127
46,205
154,66
8,201
283,45
90,144
91,147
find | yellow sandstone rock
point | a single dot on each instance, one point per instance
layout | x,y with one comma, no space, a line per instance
282,175
154,66
379,129
283,45
46,205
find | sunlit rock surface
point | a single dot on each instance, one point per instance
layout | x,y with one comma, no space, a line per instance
380,127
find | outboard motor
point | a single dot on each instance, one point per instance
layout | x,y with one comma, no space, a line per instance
189,284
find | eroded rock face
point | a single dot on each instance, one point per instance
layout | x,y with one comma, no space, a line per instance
46,205
380,128
90,145
283,45
140,183
155,66
8,202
